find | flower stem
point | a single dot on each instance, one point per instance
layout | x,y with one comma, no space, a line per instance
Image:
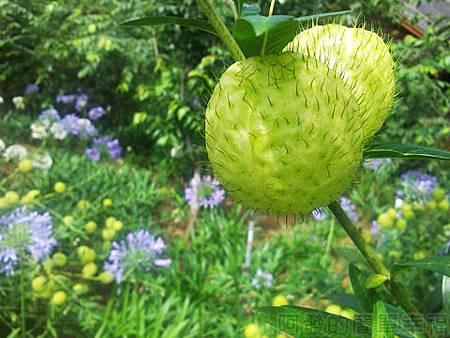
221,30
22,303
378,266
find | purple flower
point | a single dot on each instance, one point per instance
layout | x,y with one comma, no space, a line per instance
139,252
349,208
262,279
66,98
376,163
419,181
204,192
96,113
319,214
104,145
77,126
81,102
375,229
24,234
31,89
49,116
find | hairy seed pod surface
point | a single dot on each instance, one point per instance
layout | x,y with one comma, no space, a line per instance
283,133
362,59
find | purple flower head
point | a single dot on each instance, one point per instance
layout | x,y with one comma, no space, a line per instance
49,116
81,102
376,163
204,192
66,98
32,88
419,181
375,229
139,252
77,126
96,113
319,214
104,145
24,234
262,279
349,208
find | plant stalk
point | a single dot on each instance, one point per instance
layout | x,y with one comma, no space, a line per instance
221,30
22,302
378,266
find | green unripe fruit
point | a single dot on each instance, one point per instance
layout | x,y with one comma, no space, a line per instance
438,194
432,205
105,277
443,205
283,133
59,259
406,208
86,254
90,227
108,234
58,298
110,222
362,59
106,245
385,221
11,197
25,166
118,225
80,288
82,204
89,270
59,187
401,224
38,284
392,213
409,215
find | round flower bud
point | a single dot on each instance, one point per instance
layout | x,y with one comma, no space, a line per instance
12,197
392,213
432,205
90,227
80,288
406,207
279,300
58,298
401,224
106,245
68,220
59,259
89,270
443,205
59,187
118,225
25,166
105,277
438,194
251,331
334,309
86,254
107,202
38,284
409,215
29,197
108,234
110,222
385,221
82,204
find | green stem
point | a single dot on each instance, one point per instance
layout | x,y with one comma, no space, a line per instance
378,266
22,302
221,30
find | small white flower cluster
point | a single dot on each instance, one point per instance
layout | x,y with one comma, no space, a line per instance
42,129
18,102
17,152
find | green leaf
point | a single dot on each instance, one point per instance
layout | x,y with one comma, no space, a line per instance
171,20
439,264
375,280
381,326
365,297
239,4
305,322
259,35
250,9
446,293
405,151
402,324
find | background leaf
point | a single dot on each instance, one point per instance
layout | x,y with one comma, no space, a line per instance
300,321
365,296
446,293
172,20
405,151
402,324
250,9
239,4
439,264
381,326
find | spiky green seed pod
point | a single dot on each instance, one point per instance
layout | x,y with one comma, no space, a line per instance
362,59
283,133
